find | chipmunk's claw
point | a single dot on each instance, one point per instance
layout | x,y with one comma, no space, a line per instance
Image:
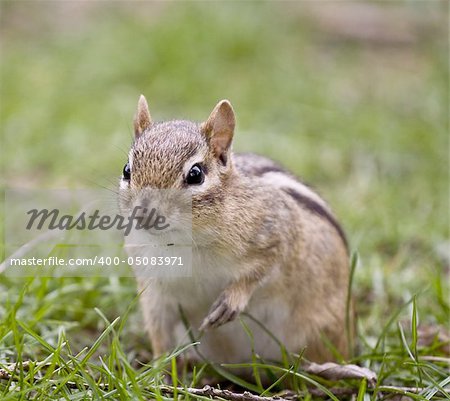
220,313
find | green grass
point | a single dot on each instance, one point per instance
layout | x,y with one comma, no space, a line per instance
364,122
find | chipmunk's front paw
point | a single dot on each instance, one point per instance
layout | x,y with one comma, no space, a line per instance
220,313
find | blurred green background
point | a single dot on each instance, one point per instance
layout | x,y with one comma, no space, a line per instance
353,97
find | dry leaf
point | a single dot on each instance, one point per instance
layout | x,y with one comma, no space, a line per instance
334,371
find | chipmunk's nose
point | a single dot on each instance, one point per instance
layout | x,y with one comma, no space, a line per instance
158,212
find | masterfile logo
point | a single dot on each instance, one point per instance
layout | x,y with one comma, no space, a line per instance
86,232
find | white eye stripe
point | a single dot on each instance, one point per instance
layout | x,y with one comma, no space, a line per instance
124,184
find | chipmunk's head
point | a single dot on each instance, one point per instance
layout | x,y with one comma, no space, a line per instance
192,158
179,154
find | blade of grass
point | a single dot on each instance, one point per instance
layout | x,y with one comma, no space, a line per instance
249,334
362,390
349,306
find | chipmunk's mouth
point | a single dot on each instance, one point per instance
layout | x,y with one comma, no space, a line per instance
172,236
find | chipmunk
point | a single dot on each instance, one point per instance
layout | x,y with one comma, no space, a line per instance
263,243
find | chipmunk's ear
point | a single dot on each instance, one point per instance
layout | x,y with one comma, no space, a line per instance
142,119
219,129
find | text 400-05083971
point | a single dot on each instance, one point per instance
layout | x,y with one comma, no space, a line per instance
141,261
101,260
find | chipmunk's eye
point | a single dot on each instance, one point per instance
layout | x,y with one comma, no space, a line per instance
195,175
126,173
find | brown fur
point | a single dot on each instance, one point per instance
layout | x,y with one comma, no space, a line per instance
258,248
